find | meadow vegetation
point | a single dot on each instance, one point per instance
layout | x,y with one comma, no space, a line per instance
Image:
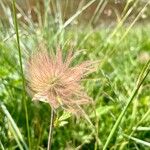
120,87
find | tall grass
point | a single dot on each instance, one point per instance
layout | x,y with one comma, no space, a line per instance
21,69
120,96
14,129
142,77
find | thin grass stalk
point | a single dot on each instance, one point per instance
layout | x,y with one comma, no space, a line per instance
135,90
39,14
144,117
112,51
25,16
2,146
124,18
51,127
98,141
96,11
96,127
134,113
65,10
21,69
15,136
47,10
77,14
134,21
125,8
15,130
140,128
73,18
40,137
84,39
60,21
117,29
96,18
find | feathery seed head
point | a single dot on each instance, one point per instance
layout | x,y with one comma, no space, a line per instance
53,80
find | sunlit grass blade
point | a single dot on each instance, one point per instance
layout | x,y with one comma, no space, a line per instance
126,7
145,73
21,69
141,128
2,146
138,140
14,129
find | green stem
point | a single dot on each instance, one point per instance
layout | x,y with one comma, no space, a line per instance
50,136
117,123
21,68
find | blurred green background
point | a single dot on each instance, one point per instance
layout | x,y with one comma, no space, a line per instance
116,33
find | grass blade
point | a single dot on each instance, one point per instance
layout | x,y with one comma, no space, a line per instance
15,130
135,90
21,68
2,147
77,14
73,17
138,140
142,128
143,118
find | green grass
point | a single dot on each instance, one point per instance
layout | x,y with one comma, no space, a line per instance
21,70
120,87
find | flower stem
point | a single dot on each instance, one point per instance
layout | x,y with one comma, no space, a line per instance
49,143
